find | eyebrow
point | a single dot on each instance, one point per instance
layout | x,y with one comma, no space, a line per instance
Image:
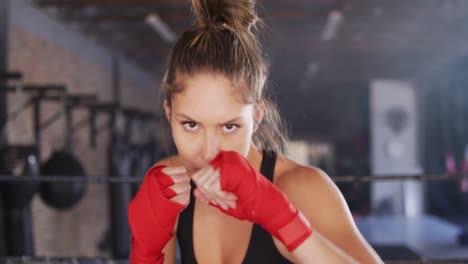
189,118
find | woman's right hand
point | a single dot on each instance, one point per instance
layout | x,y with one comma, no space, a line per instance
175,184
153,212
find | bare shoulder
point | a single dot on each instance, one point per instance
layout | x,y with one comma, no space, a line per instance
292,177
306,186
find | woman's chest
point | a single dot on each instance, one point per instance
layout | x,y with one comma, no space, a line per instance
218,238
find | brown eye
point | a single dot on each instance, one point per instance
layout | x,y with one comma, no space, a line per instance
230,128
189,125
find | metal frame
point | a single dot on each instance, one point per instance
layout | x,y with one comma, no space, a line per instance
4,14
3,107
57,93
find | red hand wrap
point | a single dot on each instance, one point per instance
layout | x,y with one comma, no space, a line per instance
259,201
152,217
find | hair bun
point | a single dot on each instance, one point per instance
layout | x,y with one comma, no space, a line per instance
237,15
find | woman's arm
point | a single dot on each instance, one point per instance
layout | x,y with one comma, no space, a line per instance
170,251
317,249
317,197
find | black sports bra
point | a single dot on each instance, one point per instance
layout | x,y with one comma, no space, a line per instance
261,247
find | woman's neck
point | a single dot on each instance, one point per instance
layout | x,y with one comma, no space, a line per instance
255,157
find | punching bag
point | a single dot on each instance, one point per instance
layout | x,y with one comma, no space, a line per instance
62,195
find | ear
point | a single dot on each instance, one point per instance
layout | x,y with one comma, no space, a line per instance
258,115
167,110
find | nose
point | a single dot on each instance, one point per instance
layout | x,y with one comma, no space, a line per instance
211,146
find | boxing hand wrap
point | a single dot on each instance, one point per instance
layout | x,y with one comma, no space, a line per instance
152,217
259,201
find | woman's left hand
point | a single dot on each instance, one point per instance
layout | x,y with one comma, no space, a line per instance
209,190
259,200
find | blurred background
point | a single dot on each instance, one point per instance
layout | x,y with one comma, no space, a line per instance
367,88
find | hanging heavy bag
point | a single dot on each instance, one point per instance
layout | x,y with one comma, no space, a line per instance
62,195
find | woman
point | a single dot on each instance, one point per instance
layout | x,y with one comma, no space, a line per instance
251,205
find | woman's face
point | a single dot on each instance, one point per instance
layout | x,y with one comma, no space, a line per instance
208,116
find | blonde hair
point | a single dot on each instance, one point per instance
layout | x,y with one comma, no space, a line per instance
222,41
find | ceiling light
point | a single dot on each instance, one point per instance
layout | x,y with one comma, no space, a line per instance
334,20
160,27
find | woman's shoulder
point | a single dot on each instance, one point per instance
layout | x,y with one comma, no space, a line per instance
292,177
305,186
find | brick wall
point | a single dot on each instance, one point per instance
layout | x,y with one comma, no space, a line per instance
75,232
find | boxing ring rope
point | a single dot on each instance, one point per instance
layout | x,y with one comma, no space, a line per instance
338,179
